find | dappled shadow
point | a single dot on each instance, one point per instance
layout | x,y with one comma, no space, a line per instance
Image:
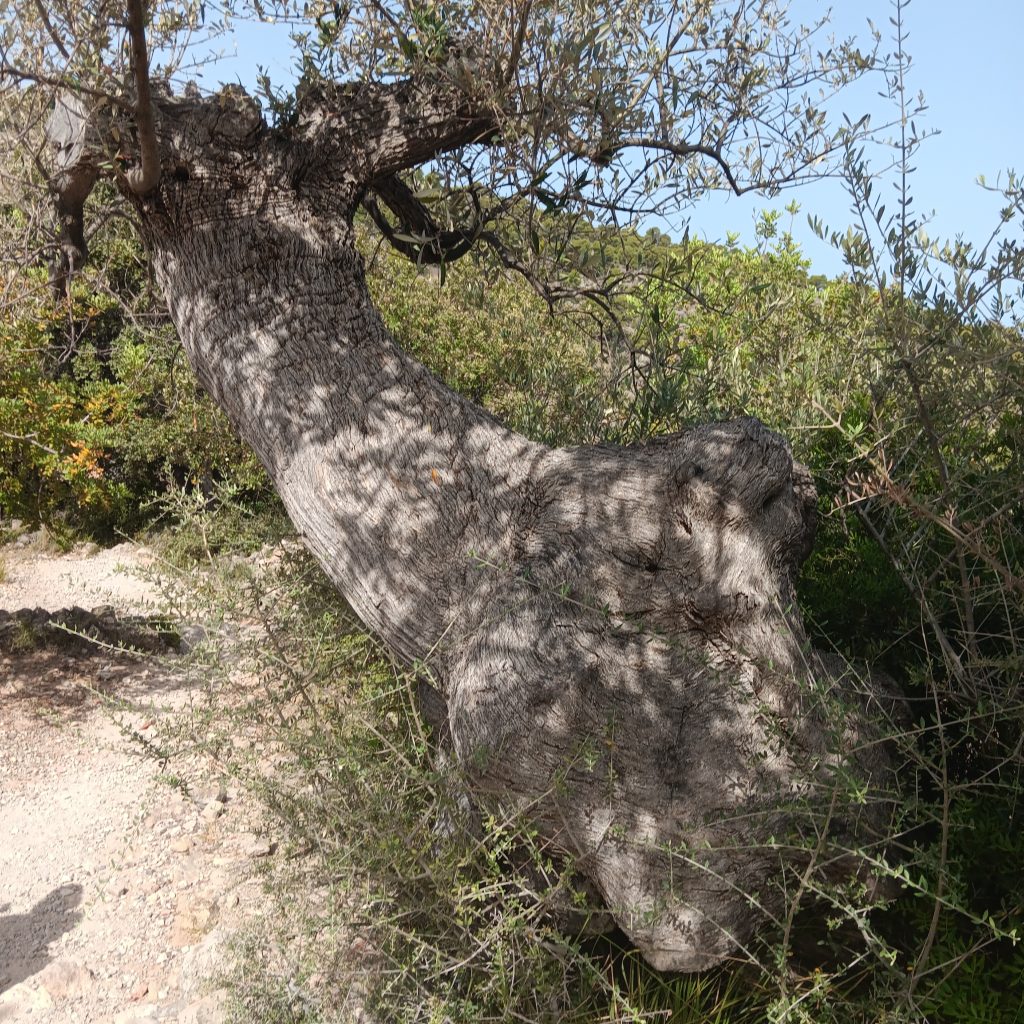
682,778
613,628
65,662
25,938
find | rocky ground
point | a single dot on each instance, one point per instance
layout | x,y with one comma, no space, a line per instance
123,875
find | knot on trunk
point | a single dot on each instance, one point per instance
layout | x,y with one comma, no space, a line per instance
684,780
742,473
643,686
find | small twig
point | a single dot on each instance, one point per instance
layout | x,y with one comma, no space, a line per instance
31,439
69,83
517,41
940,881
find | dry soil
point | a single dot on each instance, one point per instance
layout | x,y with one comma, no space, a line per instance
120,888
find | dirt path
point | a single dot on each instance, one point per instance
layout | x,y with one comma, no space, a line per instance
118,890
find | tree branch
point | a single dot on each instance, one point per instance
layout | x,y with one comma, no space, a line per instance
418,237
51,31
65,83
74,176
517,41
551,294
680,150
144,178
377,130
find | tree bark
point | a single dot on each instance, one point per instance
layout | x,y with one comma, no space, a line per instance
613,629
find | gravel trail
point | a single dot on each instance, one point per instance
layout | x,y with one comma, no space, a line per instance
119,890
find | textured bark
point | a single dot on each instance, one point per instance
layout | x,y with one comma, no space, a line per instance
74,175
612,629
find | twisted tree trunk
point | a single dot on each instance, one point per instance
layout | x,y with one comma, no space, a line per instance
613,629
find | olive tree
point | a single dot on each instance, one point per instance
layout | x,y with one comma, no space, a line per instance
612,631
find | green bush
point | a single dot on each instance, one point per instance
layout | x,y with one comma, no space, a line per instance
98,410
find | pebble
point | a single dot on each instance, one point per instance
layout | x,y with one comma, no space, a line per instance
213,810
258,846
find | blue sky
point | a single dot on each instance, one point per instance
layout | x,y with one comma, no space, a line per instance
967,59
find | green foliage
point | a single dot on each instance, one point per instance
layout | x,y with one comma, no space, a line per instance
195,524
490,338
978,959
850,594
98,410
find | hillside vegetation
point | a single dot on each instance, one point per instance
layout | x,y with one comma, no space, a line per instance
906,399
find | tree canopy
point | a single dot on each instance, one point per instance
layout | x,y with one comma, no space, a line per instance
606,112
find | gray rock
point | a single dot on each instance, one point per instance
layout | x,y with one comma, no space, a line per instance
213,810
203,962
66,979
209,1009
192,637
258,846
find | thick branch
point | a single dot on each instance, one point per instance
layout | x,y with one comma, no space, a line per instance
74,176
418,237
375,131
144,178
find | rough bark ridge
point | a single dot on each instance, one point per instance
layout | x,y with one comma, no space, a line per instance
612,629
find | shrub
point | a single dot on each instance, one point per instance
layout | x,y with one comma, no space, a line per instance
98,412
489,337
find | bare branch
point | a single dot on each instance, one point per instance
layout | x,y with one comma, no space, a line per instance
680,150
66,83
30,439
517,41
551,294
51,31
144,178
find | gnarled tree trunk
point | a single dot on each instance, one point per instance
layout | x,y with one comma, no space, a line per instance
613,629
